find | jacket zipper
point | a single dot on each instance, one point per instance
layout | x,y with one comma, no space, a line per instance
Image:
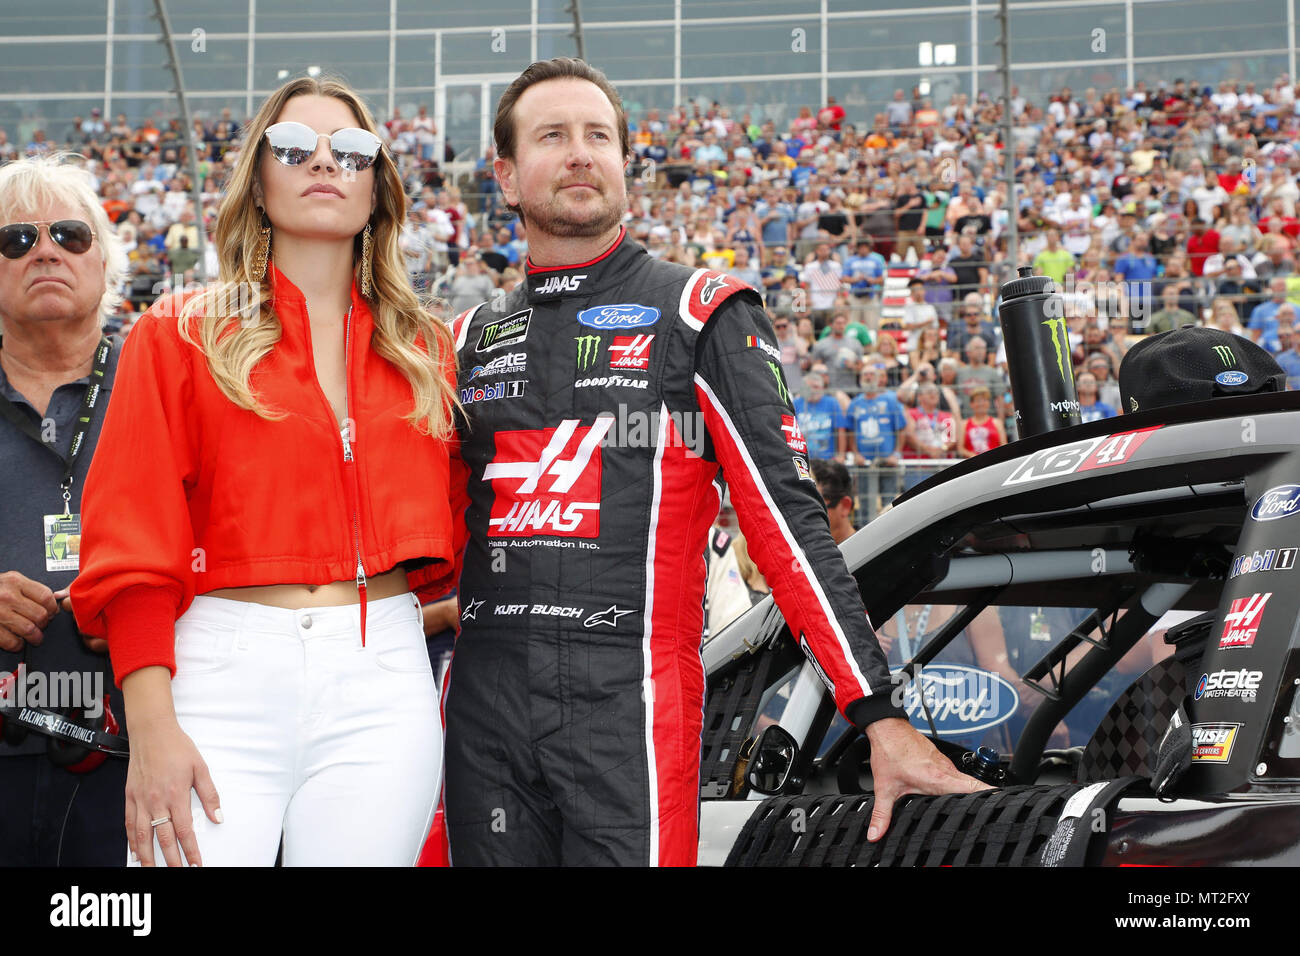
350,469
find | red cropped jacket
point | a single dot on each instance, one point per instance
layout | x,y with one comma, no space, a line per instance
188,493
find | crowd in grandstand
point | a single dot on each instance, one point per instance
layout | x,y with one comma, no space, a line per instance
879,241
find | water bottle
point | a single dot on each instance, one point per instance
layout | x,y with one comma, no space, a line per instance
1038,354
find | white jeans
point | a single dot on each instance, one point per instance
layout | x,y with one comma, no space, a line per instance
308,734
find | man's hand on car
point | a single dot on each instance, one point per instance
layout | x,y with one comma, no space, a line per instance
903,761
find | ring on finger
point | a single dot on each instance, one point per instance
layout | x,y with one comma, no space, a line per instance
160,821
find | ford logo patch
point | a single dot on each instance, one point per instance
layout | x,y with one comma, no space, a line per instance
1232,378
1279,502
961,699
627,316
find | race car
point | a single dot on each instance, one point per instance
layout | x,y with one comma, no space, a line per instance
1100,620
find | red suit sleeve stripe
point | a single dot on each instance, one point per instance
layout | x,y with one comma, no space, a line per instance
780,557
672,671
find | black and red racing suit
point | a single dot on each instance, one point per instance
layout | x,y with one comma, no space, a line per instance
600,401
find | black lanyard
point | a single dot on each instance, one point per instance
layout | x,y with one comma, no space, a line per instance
85,419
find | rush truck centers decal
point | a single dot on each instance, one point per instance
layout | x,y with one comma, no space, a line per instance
1212,743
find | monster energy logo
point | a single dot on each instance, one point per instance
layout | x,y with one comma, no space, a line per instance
588,349
1061,340
1225,355
780,382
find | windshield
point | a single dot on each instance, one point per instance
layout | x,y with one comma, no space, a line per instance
974,693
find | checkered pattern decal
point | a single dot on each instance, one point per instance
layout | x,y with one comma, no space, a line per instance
1127,739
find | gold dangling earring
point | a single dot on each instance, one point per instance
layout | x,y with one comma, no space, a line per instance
367,275
263,251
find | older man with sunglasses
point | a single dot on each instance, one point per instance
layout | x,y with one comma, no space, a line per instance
60,269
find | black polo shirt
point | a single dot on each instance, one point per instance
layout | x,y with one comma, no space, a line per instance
29,490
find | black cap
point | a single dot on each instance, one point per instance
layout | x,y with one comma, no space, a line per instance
1195,364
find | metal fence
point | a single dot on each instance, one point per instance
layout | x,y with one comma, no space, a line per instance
876,486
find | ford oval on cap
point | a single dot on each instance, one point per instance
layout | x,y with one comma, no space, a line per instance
961,699
625,316
1232,377
1281,501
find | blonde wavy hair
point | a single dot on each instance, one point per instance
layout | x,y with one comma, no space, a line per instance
236,331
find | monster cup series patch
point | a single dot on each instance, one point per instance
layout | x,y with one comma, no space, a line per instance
511,330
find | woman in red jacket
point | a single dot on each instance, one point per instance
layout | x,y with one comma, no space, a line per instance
270,487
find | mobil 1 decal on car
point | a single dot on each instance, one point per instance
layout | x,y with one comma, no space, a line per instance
960,699
1104,452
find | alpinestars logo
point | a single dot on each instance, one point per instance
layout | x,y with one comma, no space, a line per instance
554,285
609,616
711,287
1225,355
547,481
630,352
793,436
1061,340
588,349
1241,623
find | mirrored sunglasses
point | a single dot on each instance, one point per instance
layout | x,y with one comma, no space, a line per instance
292,144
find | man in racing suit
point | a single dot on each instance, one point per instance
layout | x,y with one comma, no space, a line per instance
600,399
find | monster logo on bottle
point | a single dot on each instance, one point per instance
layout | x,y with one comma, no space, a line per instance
1061,342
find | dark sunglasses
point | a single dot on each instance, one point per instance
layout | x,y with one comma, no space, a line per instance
19,238
292,144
